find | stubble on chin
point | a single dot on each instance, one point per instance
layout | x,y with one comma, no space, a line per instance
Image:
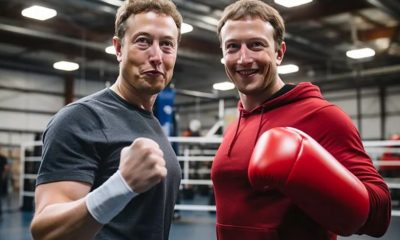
154,86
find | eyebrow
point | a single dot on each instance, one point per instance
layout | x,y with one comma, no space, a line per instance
168,37
246,40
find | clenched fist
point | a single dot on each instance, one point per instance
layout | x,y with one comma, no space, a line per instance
142,164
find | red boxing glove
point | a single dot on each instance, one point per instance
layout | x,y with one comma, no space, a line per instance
293,162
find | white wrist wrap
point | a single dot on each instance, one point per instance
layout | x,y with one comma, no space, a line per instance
106,201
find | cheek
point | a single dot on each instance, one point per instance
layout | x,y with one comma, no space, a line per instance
267,60
230,58
169,62
271,70
230,72
230,62
132,59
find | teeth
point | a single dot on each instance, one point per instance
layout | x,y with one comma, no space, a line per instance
247,72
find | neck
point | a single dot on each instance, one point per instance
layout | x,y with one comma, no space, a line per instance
252,101
133,96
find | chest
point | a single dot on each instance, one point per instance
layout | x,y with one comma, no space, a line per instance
122,133
233,156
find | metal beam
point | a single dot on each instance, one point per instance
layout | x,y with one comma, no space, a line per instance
51,36
322,9
196,94
392,7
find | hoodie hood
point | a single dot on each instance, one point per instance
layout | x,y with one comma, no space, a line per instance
299,92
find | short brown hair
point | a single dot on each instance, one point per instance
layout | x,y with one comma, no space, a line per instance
254,8
132,7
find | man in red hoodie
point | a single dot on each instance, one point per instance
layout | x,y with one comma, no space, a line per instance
293,165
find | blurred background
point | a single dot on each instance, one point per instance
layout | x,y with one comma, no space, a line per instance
48,61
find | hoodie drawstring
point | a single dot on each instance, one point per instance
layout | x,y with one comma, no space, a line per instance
235,136
259,126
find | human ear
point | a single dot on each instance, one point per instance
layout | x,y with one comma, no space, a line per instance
117,46
280,53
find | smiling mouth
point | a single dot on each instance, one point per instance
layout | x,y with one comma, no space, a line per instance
247,72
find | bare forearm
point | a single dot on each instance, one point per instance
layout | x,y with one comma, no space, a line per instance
64,221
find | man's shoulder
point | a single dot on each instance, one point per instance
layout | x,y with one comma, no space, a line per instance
82,114
86,105
92,99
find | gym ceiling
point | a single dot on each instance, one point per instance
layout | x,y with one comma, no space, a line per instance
318,35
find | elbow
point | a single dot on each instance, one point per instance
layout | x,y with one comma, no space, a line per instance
38,232
35,231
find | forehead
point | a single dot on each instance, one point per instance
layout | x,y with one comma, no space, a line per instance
246,28
152,23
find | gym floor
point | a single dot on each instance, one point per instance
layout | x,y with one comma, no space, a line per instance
193,225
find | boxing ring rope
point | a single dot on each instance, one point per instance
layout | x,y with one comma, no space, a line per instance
374,148
185,144
197,149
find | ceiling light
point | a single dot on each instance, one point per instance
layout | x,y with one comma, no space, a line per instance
289,68
116,3
210,20
292,3
39,13
360,53
66,66
185,28
111,50
223,86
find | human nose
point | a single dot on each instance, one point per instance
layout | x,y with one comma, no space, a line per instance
245,55
155,54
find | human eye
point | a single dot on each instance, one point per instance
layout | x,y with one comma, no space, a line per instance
167,45
256,45
232,47
143,42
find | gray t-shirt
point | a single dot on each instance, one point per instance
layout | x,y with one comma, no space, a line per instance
82,143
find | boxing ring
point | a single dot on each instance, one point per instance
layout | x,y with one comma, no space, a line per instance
391,149
195,155
186,154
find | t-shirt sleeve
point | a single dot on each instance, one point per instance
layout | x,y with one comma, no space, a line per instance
69,146
340,137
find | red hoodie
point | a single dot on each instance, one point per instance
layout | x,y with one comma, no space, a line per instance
247,214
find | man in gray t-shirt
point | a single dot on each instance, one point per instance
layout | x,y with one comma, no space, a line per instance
108,171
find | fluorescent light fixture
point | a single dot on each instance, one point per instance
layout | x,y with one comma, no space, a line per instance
66,66
360,53
39,13
223,86
210,20
289,68
185,28
110,50
292,3
116,3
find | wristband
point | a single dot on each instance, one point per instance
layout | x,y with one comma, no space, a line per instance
106,201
